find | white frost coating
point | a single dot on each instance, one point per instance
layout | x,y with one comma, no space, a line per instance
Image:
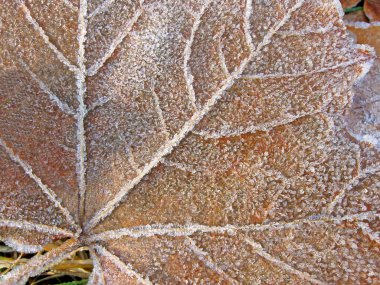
189,229
189,11
97,272
205,258
98,103
279,263
116,42
339,8
187,54
189,125
363,60
25,225
362,25
131,160
160,113
101,8
246,26
179,166
266,127
49,193
339,198
61,105
81,112
222,58
38,264
46,39
70,5
126,268
374,236
368,64
322,30
366,138
21,247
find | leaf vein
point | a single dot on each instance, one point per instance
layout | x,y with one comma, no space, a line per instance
46,190
190,229
93,70
25,225
82,110
339,198
125,268
70,5
304,73
54,98
206,259
188,126
46,39
39,263
101,8
281,264
187,54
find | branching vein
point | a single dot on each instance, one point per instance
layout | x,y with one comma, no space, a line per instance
101,8
339,198
46,39
189,229
187,54
206,259
222,58
81,113
179,166
126,268
70,5
97,272
61,105
132,162
315,71
160,113
98,103
29,171
374,236
25,225
266,127
39,263
281,264
116,42
189,125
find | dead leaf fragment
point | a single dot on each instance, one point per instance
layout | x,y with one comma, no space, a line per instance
366,34
349,3
363,118
372,10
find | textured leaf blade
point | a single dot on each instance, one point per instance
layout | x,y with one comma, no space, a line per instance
169,135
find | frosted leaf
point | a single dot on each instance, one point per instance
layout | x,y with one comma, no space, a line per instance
343,247
364,116
191,142
372,10
349,3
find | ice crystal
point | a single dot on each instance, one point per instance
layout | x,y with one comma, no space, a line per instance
186,141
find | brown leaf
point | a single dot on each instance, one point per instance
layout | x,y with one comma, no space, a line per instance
186,142
366,34
363,118
357,16
372,10
349,3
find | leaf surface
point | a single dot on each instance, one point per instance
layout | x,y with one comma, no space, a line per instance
199,142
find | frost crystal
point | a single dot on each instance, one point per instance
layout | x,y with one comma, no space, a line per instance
187,141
